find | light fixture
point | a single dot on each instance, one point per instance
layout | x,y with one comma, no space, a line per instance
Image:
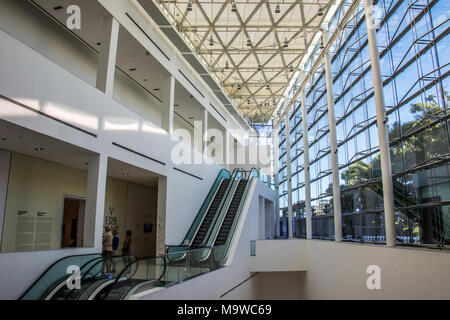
320,12
156,89
277,8
233,7
321,44
291,68
211,41
39,149
259,67
286,42
133,69
189,6
57,8
267,86
227,66
248,101
249,42
239,86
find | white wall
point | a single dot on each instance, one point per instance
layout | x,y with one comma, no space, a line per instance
31,79
339,271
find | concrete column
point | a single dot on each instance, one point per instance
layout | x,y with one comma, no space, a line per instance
306,162
205,132
288,174
383,139
226,149
107,56
95,201
275,143
168,103
5,164
161,216
333,145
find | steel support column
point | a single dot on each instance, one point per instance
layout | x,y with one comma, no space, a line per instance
276,166
385,157
288,174
333,145
306,162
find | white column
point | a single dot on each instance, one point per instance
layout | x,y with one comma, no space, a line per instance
333,145
275,143
205,132
306,162
226,149
385,157
288,173
107,56
168,97
161,216
95,202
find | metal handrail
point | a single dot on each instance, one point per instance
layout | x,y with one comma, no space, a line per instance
51,266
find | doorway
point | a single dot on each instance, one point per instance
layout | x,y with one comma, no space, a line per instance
73,222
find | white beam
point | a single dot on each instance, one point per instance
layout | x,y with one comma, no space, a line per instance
95,202
168,104
288,174
333,145
107,56
383,139
306,164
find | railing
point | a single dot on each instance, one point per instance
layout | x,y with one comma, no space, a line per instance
55,274
148,269
103,269
166,270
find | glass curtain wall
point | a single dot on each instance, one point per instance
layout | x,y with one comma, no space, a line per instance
412,39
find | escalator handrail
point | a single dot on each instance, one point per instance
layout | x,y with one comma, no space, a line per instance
224,203
51,266
190,235
111,287
101,259
87,272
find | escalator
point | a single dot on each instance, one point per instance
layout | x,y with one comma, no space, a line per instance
206,214
93,280
231,214
209,217
55,276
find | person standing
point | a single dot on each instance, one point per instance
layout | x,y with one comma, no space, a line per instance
126,249
107,250
115,242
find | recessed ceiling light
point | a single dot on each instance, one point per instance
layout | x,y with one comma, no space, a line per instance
39,149
58,8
